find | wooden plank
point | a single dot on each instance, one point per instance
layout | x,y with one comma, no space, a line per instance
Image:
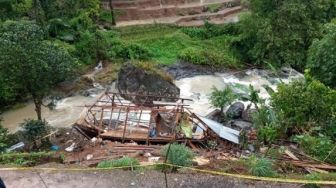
125,125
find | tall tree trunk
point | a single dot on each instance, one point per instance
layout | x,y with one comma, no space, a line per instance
112,13
38,107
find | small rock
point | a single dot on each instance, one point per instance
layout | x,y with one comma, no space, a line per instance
133,184
240,124
251,147
235,111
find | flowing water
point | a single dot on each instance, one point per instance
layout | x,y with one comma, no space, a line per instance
197,88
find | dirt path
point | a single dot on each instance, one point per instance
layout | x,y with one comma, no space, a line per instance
121,178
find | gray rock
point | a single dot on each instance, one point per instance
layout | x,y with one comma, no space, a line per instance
235,111
240,124
134,80
181,70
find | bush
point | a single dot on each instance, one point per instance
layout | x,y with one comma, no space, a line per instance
222,98
260,166
304,104
179,155
210,30
321,58
128,51
200,56
122,162
320,146
34,129
266,122
3,138
25,159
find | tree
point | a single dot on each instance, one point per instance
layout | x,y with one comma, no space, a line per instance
33,64
113,22
322,59
222,98
280,32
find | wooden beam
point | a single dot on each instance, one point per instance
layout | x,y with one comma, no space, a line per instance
125,125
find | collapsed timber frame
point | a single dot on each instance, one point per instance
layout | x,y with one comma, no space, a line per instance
115,118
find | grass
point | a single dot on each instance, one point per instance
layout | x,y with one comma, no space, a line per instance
166,42
178,154
25,159
122,162
259,166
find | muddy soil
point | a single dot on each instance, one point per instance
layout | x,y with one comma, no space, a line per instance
121,178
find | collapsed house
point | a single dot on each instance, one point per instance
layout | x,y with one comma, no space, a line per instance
154,119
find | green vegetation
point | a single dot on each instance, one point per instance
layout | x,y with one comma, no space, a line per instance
304,105
280,32
303,111
320,146
34,129
122,162
321,58
179,155
3,138
260,166
26,159
167,44
35,65
222,98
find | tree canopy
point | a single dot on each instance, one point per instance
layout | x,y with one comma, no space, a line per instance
281,32
322,58
29,64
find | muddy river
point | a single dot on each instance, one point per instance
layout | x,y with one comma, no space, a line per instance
197,88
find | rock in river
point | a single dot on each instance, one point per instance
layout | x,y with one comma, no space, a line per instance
133,79
235,111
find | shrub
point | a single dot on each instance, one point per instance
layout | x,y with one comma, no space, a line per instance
304,104
33,129
266,122
206,57
25,159
320,146
260,166
178,154
3,138
122,162
210,30
321,58
129,51
222,98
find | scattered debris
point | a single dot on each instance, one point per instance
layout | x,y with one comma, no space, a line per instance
71,147
88,157
153,159
16,146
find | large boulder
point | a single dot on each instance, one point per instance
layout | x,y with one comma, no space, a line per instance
134,80
235,111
